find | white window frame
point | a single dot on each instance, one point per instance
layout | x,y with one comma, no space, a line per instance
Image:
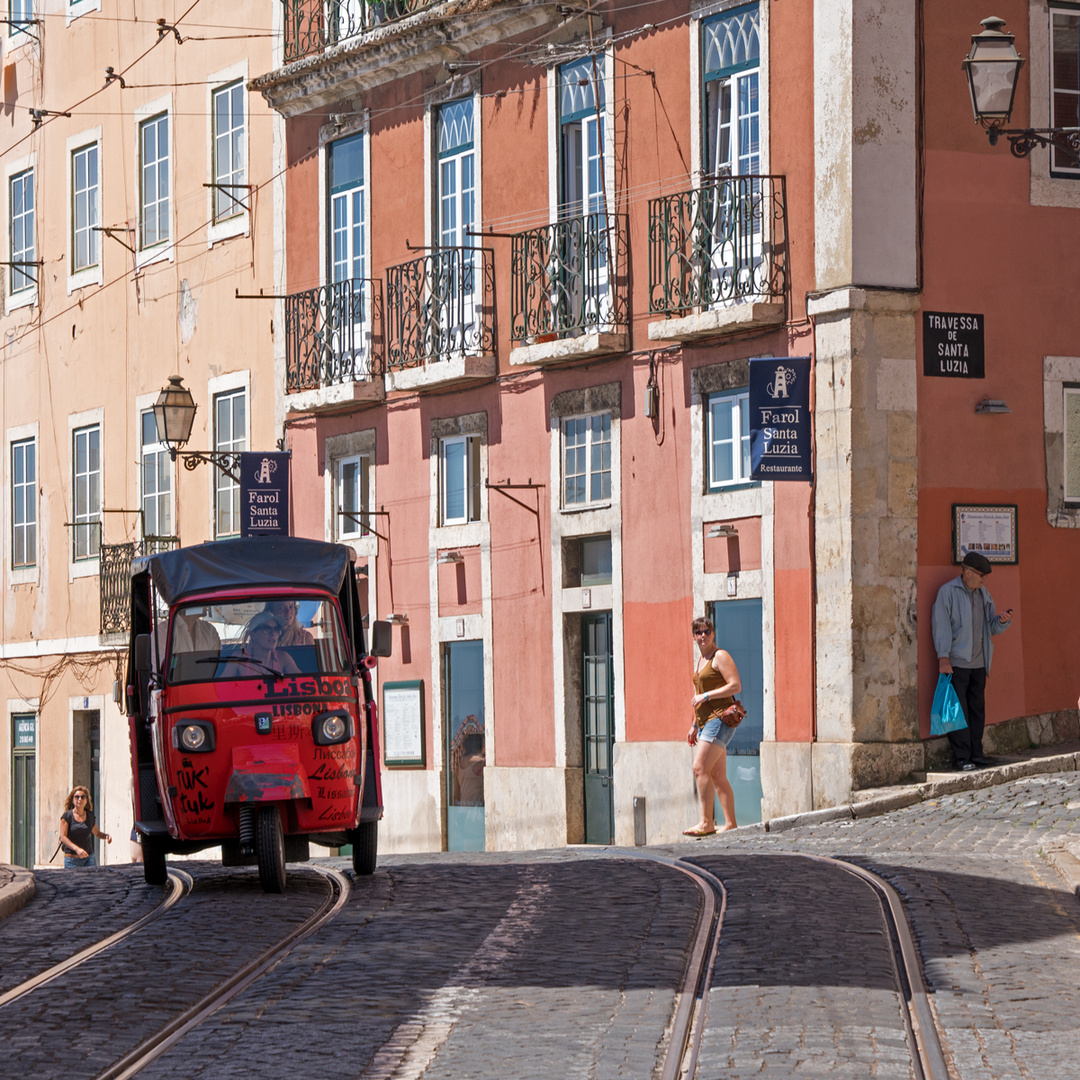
225,486
590,472
238,223
28,294
1058,166
90,194
16,35
162,499
456,205
30,493
77,8
1071,463
348,528
164,249
23,575
92,274
737,403
355,232
472,504
92,479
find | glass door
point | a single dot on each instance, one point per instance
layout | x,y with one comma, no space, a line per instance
598,727
23,789
463,680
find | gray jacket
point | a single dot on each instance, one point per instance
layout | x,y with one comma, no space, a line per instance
952,625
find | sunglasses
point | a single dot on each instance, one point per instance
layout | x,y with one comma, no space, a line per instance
268,629
78,796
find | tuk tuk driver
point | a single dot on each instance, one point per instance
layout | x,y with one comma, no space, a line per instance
262,637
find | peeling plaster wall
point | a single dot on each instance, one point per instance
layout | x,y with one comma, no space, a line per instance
864,142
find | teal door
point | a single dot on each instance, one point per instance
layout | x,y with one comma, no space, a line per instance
23,789
466,756
738,630
598,727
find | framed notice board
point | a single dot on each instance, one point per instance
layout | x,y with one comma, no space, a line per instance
403,723
989,530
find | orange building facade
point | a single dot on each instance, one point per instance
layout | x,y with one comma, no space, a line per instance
517,258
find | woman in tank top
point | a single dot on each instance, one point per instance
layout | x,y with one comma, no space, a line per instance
78,829
716,682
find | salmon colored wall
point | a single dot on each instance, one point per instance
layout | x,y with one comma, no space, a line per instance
728,554
459,584
793,616
987,250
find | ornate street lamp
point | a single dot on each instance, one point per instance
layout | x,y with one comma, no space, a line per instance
174,414
993,68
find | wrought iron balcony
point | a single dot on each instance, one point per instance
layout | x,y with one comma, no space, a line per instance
721,243
313,25
441,306
115,579
332,333
569,278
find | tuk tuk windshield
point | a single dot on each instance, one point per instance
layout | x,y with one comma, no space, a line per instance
249,639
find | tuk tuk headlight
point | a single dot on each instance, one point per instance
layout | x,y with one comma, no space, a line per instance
331,727
194,736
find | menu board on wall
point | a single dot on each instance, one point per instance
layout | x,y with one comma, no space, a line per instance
403,723
989,530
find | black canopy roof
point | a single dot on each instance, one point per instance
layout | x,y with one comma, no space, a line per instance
256,563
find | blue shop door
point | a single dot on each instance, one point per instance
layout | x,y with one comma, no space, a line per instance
465,745
738,630
598,727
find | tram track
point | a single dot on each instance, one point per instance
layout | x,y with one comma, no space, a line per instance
691,1014
180,884
149,1050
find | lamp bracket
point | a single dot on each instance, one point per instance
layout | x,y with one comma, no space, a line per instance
192,459
1023,140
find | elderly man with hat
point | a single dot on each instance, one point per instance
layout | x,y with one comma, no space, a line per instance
964,623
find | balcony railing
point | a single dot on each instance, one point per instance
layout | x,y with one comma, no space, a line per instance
332,333
441,305
312,25
115,579
570,278
718,244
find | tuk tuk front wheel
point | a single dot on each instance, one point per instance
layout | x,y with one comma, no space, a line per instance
153,854
365,847
270,849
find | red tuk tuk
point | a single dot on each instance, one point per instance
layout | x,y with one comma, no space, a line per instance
252,718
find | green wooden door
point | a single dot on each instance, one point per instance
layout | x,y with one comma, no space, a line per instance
598,727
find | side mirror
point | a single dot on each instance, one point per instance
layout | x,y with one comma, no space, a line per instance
382,639
142,652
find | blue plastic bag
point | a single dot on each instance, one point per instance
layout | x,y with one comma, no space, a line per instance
946,714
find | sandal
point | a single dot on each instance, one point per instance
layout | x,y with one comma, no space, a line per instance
699,832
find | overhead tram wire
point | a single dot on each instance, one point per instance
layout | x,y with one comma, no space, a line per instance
39,324
101,89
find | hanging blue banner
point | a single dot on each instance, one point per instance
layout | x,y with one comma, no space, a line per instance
780,432
264,494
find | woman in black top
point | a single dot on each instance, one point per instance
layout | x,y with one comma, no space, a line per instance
77,828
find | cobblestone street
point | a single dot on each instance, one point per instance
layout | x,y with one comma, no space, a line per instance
568,963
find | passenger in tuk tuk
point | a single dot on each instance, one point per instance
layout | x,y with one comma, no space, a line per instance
292,633
193,637
260,650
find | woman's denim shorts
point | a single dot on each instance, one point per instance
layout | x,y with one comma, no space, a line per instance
716,731
72,863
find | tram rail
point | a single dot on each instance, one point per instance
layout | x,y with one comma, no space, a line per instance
688,1026
180,884
340,888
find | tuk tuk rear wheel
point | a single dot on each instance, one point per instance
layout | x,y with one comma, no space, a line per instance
365,847
270,849
154,868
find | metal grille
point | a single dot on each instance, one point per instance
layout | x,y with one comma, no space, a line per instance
115,579
723,242
440,305
312,25
332,334
570,278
